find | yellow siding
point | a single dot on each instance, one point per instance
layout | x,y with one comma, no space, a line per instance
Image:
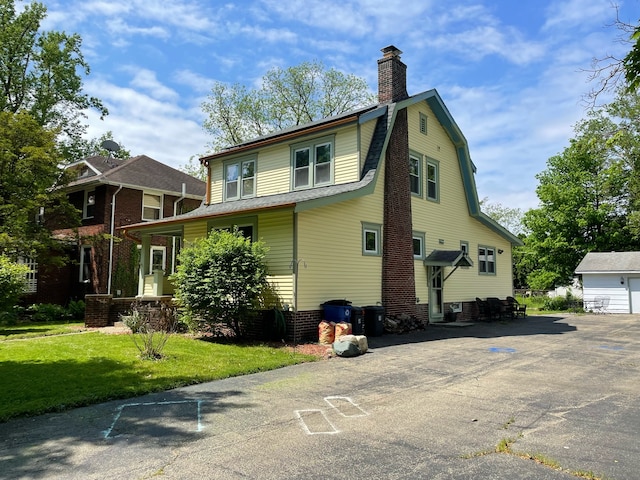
194,230
273,165
347,161
216,182
449,221
330,246
276,230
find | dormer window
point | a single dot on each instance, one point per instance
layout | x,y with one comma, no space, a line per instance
312,163
83,172
240,179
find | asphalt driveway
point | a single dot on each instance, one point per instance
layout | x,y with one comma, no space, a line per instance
432,404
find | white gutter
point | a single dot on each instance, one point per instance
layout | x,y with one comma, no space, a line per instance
113,215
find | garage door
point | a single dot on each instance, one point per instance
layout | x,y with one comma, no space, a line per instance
634,288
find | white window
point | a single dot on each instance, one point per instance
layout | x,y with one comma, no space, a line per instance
85,264
240,179
486,260
151,206
433,186
415,173
158,258
32,275
312,164
418,245
89,204
371,239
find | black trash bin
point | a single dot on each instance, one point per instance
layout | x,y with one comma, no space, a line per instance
374,320
357,320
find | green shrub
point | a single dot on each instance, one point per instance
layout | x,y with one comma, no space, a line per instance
12,282
75,309
219,278
47,312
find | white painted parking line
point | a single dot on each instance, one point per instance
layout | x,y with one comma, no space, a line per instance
315,422
198,418
345,406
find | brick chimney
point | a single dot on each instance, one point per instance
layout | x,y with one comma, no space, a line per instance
392,76
398,280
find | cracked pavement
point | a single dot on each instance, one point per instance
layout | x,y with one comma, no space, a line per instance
421,405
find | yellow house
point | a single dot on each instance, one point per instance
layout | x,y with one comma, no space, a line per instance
377,206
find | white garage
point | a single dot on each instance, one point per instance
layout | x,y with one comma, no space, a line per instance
611,281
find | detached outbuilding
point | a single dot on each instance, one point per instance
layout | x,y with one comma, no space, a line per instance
611,281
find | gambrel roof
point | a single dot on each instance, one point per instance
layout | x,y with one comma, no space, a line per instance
317,197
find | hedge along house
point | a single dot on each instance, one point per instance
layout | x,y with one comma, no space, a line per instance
377,205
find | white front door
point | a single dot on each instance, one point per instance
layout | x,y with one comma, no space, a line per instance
634,290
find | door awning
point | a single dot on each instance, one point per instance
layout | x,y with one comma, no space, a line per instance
448,258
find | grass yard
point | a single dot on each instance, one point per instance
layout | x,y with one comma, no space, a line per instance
57,372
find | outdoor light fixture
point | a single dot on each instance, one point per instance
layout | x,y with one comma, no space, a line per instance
621,280
500,251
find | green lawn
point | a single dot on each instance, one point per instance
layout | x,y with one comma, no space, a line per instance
57,372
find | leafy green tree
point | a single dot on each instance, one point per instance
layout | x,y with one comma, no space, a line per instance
510,218
12,283
30,175
583,197
41,72
78,148
194,168
287,97
219,278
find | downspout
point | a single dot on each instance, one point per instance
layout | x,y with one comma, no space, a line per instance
113,217
173,239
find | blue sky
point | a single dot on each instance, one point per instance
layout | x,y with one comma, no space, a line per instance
512,73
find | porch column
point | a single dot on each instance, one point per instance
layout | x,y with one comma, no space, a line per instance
144,262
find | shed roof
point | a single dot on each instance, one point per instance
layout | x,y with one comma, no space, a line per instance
609,262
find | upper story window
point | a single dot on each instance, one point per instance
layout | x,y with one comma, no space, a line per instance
423,123
88,208
487,260
415,173
312,163
433,181
240,179
151,206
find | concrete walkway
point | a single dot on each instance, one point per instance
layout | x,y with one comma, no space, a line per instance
431,404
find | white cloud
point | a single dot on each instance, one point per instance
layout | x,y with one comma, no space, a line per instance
579,14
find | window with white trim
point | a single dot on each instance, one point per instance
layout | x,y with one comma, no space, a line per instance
312,163
486,260
415,173
157,258
240,179
433,183
418,245
85,264
32,274
151,206
89,203
371,238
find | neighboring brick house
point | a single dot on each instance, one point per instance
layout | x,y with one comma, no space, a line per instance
376,206
111,193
